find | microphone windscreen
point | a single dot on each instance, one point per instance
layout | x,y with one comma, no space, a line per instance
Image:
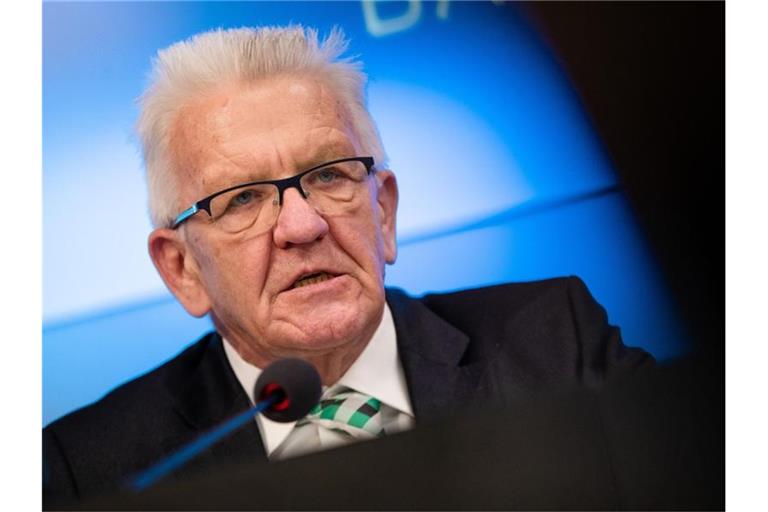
298,384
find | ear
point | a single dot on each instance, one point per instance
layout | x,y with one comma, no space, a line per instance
387,199
179,270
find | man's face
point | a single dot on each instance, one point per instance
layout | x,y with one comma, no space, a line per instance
274,129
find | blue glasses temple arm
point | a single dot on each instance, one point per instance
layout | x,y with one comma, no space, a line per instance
185,215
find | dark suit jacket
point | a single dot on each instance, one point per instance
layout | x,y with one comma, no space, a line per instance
490,344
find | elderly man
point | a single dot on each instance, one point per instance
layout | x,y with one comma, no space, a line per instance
275,213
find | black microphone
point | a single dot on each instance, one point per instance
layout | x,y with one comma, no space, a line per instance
296,385
285,391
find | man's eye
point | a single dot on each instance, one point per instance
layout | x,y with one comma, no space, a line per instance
243,198
327,175
331,176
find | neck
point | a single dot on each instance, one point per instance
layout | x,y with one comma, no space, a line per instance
331,365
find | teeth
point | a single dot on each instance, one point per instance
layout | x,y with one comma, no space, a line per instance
312,279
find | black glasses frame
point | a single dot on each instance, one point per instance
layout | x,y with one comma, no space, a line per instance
281,184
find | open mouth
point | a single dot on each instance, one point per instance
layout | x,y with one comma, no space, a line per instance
315,278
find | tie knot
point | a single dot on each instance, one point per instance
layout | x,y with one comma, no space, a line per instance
349,411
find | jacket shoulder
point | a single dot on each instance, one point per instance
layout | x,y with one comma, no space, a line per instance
539,330
500,299
511,310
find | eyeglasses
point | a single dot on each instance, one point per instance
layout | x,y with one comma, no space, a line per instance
331,188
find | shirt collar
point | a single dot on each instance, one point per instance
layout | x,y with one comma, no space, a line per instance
376,372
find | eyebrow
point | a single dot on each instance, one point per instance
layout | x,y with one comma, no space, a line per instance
329,151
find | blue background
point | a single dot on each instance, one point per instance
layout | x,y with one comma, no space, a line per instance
502,176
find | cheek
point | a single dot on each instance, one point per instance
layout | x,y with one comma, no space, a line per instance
236,268
358,236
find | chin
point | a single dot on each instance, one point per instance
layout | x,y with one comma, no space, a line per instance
327,331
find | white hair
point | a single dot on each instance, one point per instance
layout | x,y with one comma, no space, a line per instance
190,68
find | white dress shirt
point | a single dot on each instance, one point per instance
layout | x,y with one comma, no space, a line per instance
376,372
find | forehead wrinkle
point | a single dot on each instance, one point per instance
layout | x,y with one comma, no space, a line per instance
210,160
221,175
328,114
334,144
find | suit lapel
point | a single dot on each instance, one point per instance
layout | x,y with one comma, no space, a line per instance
441,378
210,394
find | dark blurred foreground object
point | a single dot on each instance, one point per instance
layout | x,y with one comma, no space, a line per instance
654,441
651,75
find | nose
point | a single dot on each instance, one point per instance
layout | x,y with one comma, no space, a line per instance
298,222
